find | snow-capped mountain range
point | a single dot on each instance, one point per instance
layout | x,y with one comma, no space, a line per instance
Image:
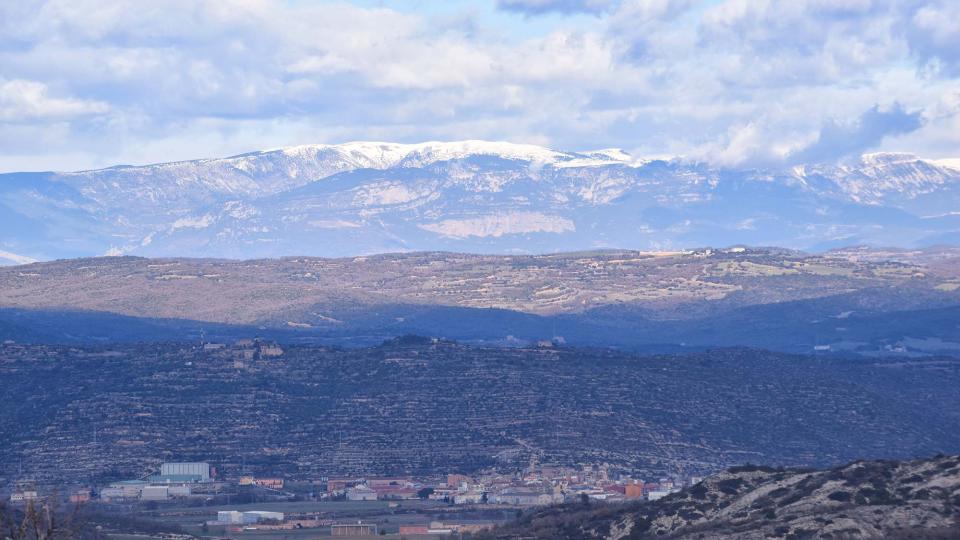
477,196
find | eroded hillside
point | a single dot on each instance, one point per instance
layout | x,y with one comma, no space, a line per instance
865,499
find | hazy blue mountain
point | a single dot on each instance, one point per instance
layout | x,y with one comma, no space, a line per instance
475,196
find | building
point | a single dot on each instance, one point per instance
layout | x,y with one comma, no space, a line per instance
353,529
521,497
387,482
123,490
634,491
154,493
457,480
229,516
658,494
235,517
361,493
340,484
473,527
24,496
270,351
395,492
189,472
414,529
271,483
259,516
468,497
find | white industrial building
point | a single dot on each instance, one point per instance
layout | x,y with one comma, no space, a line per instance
253,516
230,516
154,493
196,470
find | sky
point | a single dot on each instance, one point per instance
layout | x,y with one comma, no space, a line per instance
736,83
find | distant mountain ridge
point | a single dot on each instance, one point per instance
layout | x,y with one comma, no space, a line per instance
856,300
468,196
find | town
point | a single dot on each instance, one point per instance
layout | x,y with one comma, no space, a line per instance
192,487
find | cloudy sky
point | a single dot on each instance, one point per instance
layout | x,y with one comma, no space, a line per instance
92,83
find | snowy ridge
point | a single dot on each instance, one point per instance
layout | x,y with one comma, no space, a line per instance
385,155
948,163
476,196
880,177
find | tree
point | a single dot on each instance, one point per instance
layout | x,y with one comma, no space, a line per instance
425,493
41,522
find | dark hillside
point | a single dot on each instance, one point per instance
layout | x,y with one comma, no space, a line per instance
414,406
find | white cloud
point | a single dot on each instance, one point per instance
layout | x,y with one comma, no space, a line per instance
90,83
27,100
7,258
539,7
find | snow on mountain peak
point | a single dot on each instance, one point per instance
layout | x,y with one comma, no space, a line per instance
950,163
335,199
615,154
887,158
385,155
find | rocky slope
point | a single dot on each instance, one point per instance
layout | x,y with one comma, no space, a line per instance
865,499
413,405
476,196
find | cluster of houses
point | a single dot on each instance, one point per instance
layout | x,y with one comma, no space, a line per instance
536,486
245,351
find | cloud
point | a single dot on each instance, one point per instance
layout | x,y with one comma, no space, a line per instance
28,100
540,7
838,140
90,83
933,32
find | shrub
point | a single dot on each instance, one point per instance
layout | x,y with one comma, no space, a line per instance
840,496
730,486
